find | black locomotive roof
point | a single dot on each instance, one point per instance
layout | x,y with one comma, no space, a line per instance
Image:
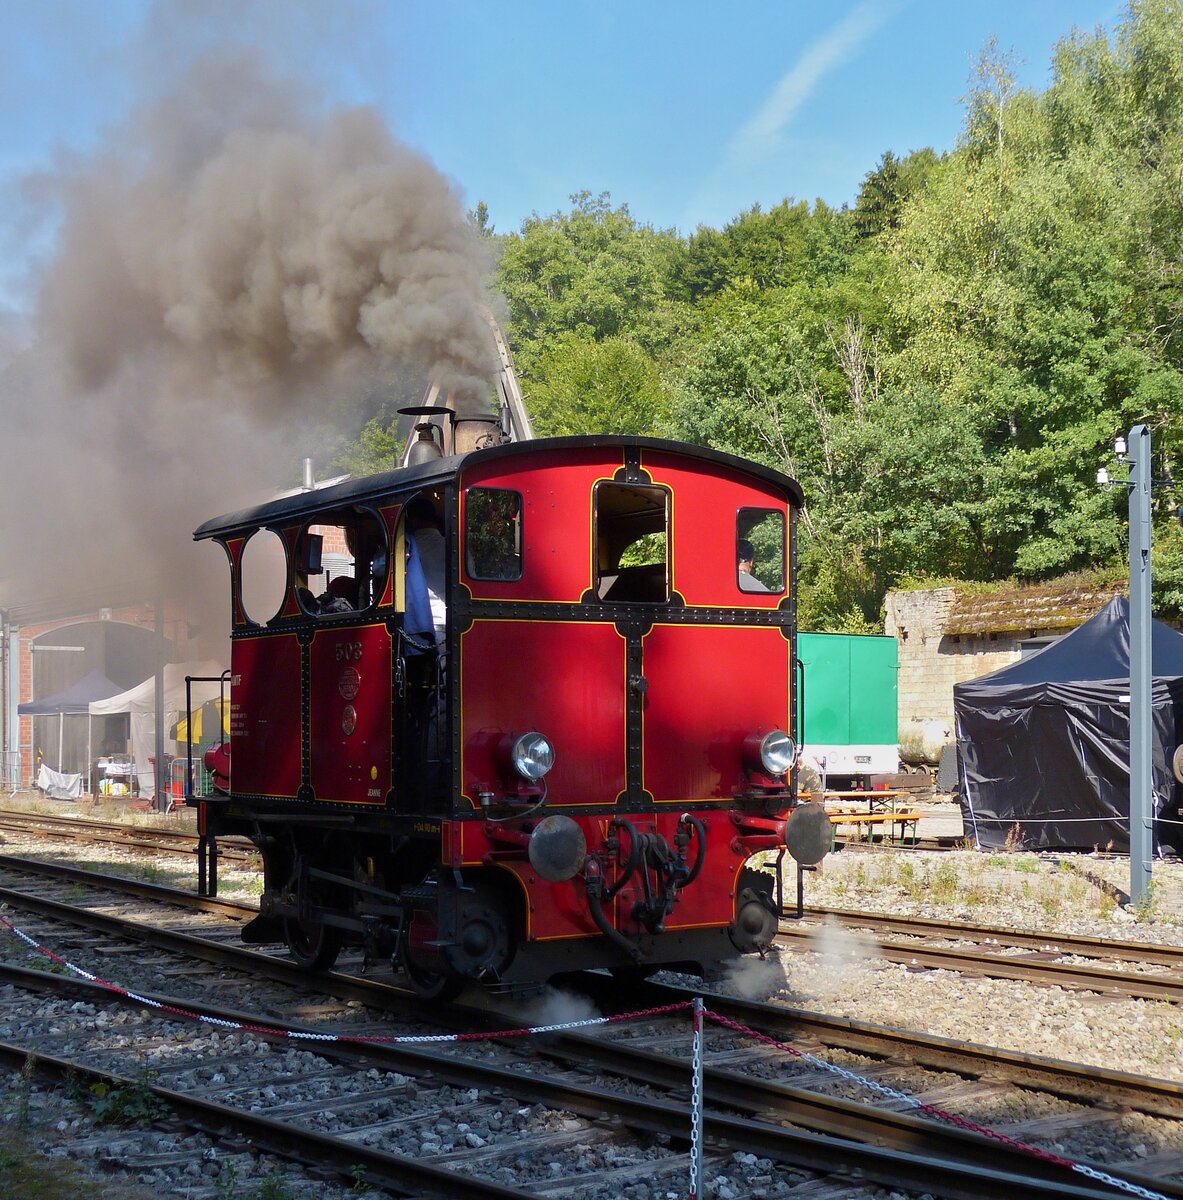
386,485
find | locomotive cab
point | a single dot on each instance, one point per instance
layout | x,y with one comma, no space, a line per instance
519,711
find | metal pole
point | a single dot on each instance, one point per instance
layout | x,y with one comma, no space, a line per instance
5,755
160,800
189,736
1141,669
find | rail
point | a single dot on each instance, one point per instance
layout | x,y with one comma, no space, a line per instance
896,1149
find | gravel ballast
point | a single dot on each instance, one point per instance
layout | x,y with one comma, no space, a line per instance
1061,893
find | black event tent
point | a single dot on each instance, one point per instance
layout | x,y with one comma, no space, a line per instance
72,701
75,699
1044,743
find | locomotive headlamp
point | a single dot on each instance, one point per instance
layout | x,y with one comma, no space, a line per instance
773,753
531,755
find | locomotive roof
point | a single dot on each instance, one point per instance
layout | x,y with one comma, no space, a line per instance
366,489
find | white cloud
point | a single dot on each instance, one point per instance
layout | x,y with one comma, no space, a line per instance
760,141
760,135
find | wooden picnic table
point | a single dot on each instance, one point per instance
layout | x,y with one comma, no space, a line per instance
881,809
876,801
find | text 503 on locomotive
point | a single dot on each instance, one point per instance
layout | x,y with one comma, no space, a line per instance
537,721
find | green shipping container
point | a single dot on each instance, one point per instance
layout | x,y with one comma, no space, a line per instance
850,695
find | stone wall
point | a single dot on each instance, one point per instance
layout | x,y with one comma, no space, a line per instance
933,658
917,622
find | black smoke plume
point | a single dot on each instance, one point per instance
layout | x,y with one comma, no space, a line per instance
238,278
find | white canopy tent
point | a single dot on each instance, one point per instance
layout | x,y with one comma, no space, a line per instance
140,703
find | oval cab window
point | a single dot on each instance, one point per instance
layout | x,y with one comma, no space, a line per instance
264,576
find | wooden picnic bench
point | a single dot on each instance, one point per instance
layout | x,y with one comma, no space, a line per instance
896,823
880,811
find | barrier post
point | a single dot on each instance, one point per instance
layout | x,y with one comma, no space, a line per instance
696,1180
1141,670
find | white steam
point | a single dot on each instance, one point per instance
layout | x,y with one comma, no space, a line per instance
840,954
553,1006
756,978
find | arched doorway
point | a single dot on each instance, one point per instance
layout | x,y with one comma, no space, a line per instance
125,654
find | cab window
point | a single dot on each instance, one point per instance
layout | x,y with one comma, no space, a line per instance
631,546
493,533
341,562
760,550
263,576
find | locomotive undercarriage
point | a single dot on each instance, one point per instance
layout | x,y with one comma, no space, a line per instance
447,929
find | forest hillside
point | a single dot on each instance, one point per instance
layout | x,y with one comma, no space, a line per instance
943,366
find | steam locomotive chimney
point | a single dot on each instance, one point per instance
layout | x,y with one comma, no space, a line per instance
474,431
470,425
424,447
308,482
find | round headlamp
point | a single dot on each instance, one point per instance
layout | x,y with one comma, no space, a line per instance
778,752
531,755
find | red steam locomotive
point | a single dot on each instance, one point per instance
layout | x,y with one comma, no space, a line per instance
562,755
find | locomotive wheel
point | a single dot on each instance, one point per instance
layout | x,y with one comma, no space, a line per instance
478,946
428,971
313,945
432,985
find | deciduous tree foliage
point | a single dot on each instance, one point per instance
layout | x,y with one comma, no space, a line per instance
589,386
943,365
592,271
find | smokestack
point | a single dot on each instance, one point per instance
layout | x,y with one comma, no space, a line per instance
309,479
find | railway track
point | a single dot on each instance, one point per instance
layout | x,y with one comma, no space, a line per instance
1012,954
658,1070
996,960
999,961
116,833
974,1170
1133,1091
1062,944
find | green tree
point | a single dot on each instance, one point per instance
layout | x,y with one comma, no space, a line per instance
592,271
1022,276
478,218
585,386
888,188
378,447
784,246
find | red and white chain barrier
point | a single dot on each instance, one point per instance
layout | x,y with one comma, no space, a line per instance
697,1187
941,1114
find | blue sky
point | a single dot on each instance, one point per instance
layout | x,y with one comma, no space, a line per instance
689,111
692,111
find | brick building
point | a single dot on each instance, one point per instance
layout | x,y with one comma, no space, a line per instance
43,652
